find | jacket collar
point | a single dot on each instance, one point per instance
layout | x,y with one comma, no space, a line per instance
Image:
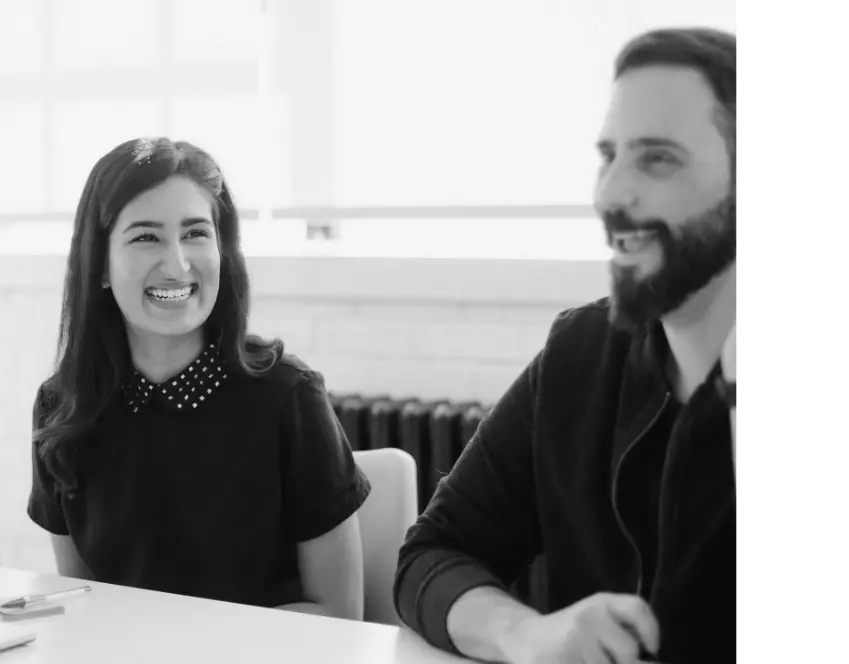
184,392
646,389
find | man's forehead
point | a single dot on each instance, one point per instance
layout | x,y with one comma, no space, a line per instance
674,103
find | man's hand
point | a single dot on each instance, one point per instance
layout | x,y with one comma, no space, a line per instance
601,629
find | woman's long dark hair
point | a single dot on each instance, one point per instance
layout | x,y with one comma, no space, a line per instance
93,354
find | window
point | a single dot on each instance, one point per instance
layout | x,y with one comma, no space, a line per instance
82,76
249,145
105,34
22,167
398,127
458,105
216,30
20,36
477,102
649,14
482,103
84,130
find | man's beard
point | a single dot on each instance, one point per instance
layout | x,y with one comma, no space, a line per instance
693,254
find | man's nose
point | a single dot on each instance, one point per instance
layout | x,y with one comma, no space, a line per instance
615,190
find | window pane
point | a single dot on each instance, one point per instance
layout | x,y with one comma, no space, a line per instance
106,33
22,168
648,14
531,239
485,102
20,36
87,130
277,237
490,116
247,140
210,30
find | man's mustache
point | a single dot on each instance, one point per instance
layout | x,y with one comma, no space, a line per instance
622,222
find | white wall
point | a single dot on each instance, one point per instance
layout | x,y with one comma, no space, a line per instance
429,328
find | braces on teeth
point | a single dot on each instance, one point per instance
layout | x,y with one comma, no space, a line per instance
181,294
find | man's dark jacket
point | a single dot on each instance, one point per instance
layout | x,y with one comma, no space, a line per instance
589,460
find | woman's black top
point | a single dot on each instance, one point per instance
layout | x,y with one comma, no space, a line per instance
204,485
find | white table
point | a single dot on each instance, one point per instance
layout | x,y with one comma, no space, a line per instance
118,625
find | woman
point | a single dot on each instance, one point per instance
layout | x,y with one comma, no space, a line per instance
171,450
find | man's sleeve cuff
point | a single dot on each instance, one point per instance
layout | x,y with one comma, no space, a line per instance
439,594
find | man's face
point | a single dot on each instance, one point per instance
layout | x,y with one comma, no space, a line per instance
665,191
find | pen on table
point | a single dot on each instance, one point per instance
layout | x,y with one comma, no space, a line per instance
23,602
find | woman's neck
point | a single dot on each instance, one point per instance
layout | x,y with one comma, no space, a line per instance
158,357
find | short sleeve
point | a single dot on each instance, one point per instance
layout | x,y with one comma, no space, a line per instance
323,484
44,506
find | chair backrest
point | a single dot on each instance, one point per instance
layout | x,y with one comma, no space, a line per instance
390,510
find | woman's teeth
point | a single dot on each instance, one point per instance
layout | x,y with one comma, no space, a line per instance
171,294
632,241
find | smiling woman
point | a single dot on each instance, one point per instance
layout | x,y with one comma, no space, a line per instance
171,450
164,265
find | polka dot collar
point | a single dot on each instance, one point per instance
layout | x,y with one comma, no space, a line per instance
185,392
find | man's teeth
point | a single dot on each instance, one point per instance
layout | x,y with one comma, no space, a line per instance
630,241
170,294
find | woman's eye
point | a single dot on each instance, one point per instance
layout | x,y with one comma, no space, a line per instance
150,237
145,237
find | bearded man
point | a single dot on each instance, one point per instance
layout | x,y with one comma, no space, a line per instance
612,454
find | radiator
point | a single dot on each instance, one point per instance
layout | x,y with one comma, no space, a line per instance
434,433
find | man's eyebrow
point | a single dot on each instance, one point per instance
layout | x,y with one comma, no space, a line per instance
657,142
607,145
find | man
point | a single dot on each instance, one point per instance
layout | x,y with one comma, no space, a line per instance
612,454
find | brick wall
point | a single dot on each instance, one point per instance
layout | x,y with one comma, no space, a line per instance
459,345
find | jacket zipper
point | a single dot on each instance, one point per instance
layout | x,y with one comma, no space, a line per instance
613,494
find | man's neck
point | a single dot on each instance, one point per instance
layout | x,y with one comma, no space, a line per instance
697,331
158,358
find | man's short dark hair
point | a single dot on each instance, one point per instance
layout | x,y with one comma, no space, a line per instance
711,52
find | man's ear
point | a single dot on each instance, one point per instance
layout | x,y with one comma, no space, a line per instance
738,177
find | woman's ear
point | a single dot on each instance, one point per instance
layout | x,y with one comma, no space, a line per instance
105,279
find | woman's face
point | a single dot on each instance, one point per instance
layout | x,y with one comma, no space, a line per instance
164,263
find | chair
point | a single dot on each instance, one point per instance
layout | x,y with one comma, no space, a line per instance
385,517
